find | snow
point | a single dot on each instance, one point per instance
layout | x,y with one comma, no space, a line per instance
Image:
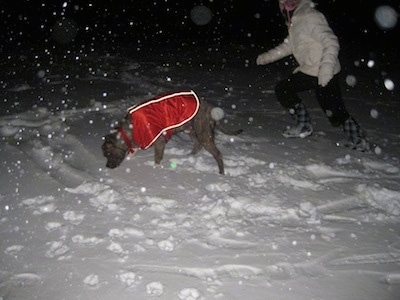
291,219
386,16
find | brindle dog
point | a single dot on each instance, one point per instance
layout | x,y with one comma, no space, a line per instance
200,128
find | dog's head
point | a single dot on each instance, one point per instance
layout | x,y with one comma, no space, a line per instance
114,150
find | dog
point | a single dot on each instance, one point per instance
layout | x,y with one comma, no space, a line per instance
153,122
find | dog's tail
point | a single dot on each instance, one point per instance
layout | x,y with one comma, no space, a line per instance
219,126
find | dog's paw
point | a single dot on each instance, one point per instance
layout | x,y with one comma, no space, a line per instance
158,166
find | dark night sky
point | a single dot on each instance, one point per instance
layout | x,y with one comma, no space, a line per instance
27,24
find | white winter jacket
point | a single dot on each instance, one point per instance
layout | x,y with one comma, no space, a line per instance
312,43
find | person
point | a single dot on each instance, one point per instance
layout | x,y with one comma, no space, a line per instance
316,48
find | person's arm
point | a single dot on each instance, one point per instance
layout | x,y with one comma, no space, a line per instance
330,52
277,53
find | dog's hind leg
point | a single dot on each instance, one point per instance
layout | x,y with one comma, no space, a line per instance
159,146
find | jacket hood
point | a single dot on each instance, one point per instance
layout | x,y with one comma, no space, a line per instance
291,5
288,5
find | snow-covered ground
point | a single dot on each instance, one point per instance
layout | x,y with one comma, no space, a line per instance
291,219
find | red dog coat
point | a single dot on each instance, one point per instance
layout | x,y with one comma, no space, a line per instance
161,115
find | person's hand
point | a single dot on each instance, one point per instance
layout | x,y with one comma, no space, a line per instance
325,75
323,80
263,59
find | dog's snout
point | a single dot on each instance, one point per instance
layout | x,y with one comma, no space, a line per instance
111,165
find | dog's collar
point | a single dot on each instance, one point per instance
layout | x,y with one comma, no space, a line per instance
128,142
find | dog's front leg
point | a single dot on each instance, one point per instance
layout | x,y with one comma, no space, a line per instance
196,142
211,148
159,146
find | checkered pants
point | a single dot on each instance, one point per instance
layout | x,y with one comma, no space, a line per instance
300,114
353,131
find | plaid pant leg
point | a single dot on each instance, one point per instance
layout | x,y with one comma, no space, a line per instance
302,116
353,131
